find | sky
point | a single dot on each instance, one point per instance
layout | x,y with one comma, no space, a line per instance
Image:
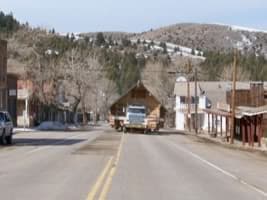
134,15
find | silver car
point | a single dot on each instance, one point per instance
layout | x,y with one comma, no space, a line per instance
6,128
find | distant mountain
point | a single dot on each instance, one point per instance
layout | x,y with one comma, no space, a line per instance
210,37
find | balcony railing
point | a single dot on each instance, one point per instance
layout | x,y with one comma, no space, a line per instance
184,107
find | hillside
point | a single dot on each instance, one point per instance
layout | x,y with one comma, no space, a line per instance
209,37
208,46
109,35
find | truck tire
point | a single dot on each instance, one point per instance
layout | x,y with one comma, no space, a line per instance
145,131
3,138
124,129
9,139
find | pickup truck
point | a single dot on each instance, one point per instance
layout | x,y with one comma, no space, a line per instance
6,128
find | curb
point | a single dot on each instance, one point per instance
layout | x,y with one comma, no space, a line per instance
226,145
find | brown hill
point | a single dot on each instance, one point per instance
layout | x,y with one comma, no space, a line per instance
209,37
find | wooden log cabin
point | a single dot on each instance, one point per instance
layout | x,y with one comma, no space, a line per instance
137,95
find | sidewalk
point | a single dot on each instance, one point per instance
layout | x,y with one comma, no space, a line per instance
20,130
221,140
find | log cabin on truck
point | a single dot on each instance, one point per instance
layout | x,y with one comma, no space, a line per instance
138,109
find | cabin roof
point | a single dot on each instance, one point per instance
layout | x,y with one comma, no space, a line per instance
137,85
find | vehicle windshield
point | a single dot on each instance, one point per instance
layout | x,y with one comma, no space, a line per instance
137,110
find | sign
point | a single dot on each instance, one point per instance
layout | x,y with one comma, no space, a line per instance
23,94
12,93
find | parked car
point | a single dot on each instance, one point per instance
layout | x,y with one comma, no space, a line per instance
6,128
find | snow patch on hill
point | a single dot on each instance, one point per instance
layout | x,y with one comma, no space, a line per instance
242,28
172,49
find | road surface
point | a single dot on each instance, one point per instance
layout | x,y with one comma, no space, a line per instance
101,163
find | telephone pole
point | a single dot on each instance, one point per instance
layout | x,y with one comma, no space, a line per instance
233,99
188,99
196,103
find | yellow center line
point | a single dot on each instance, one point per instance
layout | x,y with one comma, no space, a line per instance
92,193
108,182
106,176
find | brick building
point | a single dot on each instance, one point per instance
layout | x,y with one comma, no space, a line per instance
3,75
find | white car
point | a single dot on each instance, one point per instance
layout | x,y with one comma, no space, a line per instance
6,128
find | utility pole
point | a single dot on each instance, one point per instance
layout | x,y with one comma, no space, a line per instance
233,99
196,103
188,99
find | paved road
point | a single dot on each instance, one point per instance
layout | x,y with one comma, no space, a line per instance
184,167
54,165
98,163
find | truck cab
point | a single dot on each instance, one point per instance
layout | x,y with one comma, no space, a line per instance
136,118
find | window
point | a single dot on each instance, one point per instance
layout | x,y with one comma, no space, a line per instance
193,100
182,99
7,118
137,110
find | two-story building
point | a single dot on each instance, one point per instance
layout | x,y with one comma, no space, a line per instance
213,100
3,75
210,94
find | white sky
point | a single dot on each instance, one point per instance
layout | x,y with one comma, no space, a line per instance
135,16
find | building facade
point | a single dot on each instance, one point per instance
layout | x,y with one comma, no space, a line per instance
12,96
3,75
209,95
213,100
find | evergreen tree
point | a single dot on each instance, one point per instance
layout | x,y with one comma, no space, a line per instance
164,46
125,42
100,39
8,24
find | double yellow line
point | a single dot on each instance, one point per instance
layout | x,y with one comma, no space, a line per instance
106,176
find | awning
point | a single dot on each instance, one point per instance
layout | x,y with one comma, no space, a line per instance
251,111
241,111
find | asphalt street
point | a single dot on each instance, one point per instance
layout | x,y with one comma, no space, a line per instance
104,164
185,167
53,165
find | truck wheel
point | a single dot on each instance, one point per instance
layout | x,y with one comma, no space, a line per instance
9,139
145,131
3,138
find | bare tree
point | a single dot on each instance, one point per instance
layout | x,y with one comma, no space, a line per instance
156,77
82,72
242,74
46,78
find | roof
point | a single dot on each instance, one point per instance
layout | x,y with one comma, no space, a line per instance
250,111
138,84
218,112
241,111
180,88
215,91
